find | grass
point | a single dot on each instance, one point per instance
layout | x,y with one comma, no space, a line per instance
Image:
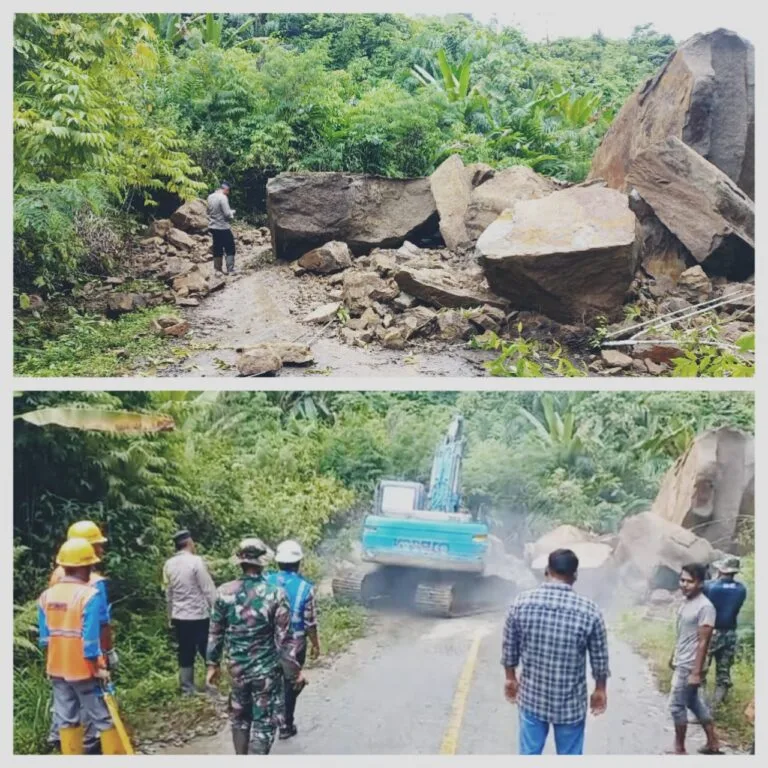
655,638
88,345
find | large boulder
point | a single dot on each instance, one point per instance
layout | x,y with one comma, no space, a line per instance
331,257
699,204
290,353
307,210
710,488
570,255
451,187
192,216
703,95
651,551
506,188
181,240
445,288
562,537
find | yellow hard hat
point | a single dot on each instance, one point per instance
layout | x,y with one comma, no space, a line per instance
75,553
85,529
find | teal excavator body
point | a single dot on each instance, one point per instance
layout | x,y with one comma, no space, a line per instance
425,548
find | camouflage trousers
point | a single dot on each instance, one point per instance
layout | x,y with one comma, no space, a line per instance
722,650
256,705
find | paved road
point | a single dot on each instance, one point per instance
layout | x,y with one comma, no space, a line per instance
414,686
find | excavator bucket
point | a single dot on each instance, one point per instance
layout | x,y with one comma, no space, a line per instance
114,713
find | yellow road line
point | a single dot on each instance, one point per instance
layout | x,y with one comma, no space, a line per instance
451,737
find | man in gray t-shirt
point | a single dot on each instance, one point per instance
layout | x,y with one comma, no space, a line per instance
219,217
695,622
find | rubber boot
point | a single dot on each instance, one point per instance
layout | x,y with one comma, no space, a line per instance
217,264
240,739
718,697
187,680
110,742
71,740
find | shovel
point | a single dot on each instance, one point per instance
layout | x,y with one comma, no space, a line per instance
109,700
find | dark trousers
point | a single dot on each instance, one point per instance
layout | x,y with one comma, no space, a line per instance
192,637
291,694
223,243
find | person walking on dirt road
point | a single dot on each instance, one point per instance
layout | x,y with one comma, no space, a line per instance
301,596
695,622
728,596
219,217
252,619
549,630
68,616
190,594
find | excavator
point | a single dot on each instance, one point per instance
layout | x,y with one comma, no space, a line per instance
422,548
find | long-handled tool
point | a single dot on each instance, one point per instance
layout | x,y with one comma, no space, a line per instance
114,713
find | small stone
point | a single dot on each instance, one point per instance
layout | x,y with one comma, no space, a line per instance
404,301
655,368
181,240
394,338
185,302
115,280
176,330
694,284
323,314
640,366
615,359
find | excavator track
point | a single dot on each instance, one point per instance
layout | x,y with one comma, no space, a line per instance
357,586
435,600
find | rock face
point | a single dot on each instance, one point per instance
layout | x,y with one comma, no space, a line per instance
710,488
309,209
451,187
506,188
569,255
444,288
703,95
700,205
651,551
192,216
331,257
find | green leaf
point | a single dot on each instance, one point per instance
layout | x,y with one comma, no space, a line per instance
747,342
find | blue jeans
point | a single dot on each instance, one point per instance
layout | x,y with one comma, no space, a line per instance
569,737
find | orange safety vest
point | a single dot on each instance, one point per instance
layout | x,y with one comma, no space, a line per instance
63,605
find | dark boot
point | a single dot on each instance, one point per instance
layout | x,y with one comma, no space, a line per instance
240,739
217,264
187,680
719,696
287,731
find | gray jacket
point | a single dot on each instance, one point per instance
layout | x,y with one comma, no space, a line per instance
189,588
219,212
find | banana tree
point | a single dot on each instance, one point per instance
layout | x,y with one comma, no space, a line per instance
455,80
99,420
209,29
557,429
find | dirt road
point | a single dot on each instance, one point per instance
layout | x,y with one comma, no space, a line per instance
268,303
421,686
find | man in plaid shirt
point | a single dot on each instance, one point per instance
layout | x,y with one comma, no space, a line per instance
549,630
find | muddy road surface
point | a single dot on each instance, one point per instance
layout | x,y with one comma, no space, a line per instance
268,304
418,685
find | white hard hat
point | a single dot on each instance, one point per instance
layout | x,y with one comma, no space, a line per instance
289,552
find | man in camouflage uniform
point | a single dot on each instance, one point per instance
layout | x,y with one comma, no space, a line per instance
728,596
253,619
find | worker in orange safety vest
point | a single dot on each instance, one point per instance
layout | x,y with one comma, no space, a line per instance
85,529
69,630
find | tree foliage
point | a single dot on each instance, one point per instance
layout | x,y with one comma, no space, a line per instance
163,104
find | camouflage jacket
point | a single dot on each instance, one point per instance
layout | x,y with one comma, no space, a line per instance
253,619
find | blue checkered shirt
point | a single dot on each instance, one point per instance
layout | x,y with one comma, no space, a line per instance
549,630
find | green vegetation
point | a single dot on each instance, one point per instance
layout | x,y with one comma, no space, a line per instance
117,116
304,465
91,345
654,637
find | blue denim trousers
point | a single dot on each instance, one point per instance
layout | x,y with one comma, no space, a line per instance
569,737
